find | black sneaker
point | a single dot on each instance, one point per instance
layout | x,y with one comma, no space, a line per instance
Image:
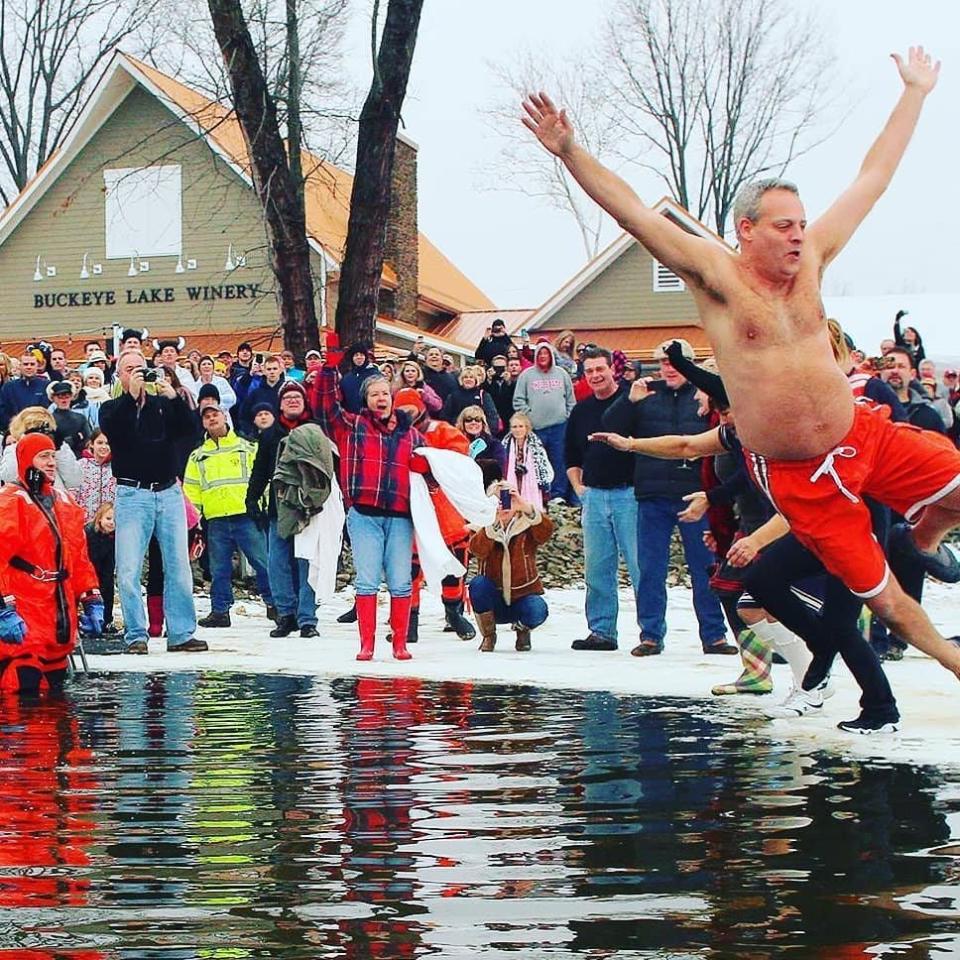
721,647
942,565
866,725
594,642
137,646
286,624
214,619
308,631
350,616
193,645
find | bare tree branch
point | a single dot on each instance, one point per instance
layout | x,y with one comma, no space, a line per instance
520,166
51,52
328,106
703,94
725,91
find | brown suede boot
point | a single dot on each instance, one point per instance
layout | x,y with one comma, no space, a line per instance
487,623
523,637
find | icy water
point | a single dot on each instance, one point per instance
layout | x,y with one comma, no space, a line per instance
224,816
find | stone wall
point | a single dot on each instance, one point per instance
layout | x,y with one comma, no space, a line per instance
402,250
561,558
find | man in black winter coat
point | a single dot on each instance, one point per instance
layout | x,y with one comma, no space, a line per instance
27,390
495,343
500,388
265,392
654,409
73,427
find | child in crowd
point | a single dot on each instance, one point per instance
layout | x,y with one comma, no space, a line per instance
528,468
101,542
98,485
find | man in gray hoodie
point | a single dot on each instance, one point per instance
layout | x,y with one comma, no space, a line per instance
544,393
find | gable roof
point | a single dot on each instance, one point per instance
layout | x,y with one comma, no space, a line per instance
610,254
326,193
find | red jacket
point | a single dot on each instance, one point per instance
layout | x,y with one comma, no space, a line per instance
375,456
49,608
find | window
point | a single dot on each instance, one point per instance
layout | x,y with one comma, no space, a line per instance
143,211
665,280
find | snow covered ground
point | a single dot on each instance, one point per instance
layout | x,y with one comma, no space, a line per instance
929,697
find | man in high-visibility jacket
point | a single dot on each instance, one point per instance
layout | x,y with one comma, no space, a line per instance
216,481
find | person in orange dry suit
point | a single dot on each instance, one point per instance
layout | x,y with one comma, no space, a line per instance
45,573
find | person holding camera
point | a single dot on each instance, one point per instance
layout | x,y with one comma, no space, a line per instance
507,587
496,341
144,426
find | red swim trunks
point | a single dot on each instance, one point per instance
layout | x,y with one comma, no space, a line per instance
896,464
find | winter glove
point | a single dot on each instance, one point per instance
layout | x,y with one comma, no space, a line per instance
334,355
259,516
91,620
12,627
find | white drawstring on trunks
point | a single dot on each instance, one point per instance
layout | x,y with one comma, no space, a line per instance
828,469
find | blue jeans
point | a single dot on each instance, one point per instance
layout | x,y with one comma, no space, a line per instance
292,593
656,518
382,550
553,439
485,596
609,522
224,535
140,515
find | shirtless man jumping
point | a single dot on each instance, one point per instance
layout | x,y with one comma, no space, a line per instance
762,311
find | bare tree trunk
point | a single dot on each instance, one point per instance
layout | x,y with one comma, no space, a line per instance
362,268
283,211
294,86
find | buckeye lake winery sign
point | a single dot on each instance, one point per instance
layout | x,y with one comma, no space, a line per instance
133,298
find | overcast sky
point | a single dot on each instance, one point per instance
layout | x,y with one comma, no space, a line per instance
519,250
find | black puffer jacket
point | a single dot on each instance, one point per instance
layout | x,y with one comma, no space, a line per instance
664,413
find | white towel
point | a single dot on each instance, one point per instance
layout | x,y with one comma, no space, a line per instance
436,560
461,479
319,544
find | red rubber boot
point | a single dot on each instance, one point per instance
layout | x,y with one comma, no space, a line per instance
155,616
367,624
399,622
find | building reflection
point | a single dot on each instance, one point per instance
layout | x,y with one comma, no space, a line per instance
391,817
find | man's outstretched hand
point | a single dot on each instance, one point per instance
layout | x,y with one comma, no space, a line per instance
918,70
550,125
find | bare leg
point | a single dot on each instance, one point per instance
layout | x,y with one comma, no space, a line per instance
936,521
908,619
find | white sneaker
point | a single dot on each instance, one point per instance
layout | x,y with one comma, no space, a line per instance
800,702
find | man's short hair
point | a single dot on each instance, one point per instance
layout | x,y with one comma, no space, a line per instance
747,203
595,353
499,356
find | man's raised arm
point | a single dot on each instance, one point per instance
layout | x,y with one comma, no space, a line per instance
691,257
830,233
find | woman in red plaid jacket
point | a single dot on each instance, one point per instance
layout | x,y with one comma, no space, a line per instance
376,456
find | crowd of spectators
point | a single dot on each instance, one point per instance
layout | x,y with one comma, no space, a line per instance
174,456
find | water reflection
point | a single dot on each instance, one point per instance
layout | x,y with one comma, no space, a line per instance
227,816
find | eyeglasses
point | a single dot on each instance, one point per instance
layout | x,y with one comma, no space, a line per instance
473,419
